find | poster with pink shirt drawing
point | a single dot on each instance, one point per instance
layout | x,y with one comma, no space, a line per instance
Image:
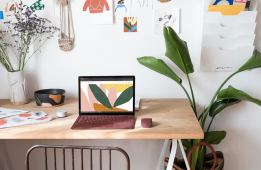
98,11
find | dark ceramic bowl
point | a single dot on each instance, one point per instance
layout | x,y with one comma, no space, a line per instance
49,97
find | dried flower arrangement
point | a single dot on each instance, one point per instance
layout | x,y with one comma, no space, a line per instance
18,32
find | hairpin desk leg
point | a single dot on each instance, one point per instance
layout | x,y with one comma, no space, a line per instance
183,154
162,154
172,154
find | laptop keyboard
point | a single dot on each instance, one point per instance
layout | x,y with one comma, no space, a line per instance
105,122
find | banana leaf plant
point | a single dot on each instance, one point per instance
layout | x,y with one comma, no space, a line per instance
177,51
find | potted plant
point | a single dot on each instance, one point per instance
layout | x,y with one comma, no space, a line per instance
20,30
177,52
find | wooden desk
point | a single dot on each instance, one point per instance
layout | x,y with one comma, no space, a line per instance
172,118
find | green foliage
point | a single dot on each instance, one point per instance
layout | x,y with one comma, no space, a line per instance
220,105
4,59
124,97
186,143
215,137
159,66
252,63
177,50
100,95
233,93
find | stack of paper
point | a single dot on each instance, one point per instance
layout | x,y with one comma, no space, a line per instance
227,7
12,118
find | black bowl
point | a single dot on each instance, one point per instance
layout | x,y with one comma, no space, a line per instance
49,97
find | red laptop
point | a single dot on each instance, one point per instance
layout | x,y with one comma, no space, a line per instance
106,102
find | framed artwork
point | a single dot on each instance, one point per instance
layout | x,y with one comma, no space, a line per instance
98,11
130,24
166,17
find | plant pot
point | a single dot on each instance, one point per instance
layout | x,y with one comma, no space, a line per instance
180,164
17,86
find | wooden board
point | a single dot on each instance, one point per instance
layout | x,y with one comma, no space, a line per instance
172,119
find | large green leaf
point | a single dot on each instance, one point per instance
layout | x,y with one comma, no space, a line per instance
159,66
233,93
220,105
100,95
253,62
215,137
177,50
125,96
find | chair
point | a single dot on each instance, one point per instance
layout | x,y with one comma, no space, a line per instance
60,155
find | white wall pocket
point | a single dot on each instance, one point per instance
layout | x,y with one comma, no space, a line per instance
223,59
227,40
243,28
217,40
246,16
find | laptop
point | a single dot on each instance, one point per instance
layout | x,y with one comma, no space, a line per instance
106,102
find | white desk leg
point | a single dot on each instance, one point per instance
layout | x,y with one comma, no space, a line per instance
172,154
162,155
183,154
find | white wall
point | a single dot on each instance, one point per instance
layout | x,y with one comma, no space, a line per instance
105,50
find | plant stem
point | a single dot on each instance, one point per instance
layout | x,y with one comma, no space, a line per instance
187,94
35,51
204,117
210,123
192,94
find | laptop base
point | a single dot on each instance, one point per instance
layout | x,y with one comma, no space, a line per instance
104,122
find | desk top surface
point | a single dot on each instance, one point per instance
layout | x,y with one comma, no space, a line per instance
172,119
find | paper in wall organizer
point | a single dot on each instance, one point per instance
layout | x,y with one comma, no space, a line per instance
227,7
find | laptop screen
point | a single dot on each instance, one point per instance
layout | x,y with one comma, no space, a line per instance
106,95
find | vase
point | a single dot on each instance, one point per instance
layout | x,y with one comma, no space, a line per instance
17,85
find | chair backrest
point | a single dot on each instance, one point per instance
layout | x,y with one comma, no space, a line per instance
84,153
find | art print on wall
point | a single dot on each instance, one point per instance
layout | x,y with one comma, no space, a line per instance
166,17
130,24
122,8
98,11
1,15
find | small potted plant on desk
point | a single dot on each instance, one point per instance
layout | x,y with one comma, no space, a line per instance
21,29
177,52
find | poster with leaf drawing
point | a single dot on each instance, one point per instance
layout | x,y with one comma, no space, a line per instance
130,24
107,96
98,11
